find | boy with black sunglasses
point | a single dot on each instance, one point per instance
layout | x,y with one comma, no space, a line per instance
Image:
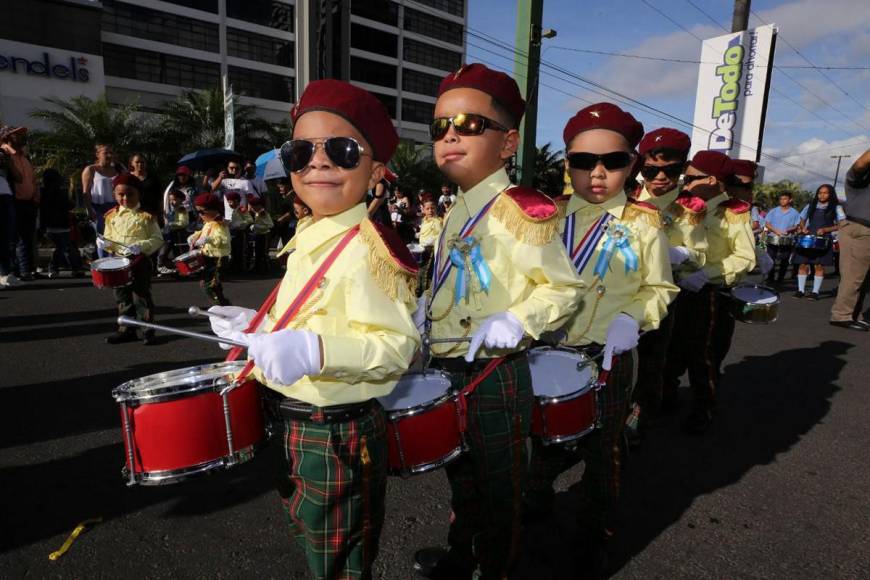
623,258
351,284
501,278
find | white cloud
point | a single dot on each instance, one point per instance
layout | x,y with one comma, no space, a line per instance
813,156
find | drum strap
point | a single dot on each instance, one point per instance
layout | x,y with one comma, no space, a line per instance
467,390
298,302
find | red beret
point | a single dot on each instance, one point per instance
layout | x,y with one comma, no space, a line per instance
127,179
254,199
712,163
233,196
358,107
664,138
389,175
208,201
604,116
497,85
743,167
183,170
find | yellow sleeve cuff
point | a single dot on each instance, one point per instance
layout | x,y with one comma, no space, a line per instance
342,356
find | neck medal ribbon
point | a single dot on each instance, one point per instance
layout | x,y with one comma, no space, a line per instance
466,257
617,239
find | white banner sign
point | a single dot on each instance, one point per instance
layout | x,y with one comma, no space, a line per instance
733,82
229,118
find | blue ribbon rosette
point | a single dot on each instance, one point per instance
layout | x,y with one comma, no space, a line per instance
467,258
617,240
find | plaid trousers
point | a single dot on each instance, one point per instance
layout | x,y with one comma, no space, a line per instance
134,300
333,492
211,281
486,481
601,451
693,346
652,350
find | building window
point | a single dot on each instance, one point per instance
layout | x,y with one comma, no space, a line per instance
262,85
378,10
204,5
420,82
263,12
132,20
454,7
371,40
389,102
428,55
375,73
157,67
417,112
259,48
433,27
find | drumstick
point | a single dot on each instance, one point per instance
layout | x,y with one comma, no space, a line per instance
197,311
443,340
126,321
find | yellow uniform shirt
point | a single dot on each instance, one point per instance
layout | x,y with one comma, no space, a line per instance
661,201
240,220
731,245
430,229
133,226
362,312
261,221
218,243
643,294
684,226
531,275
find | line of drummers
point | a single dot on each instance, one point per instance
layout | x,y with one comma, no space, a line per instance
543,329
802,239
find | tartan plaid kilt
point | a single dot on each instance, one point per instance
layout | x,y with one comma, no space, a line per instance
486,481
333,492
601,451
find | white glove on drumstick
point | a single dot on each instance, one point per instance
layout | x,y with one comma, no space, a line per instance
284,356
678,255
502,330
622,336
230,319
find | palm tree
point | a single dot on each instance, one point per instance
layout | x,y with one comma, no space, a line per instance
416,169
549,171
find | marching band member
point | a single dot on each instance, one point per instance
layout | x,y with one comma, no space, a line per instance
501,278
127,224
240,221
261,225
783,220
622,256
213,240
352,337
820,217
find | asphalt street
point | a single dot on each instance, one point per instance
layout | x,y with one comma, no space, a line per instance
778,488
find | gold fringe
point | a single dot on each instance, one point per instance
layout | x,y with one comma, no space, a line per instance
731,217
681,212
535,232
396,280
633,213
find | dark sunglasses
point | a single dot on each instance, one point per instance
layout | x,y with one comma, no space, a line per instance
345,152
687,179
671,171
588,161
464,124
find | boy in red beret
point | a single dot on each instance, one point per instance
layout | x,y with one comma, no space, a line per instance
623,256
134,233
213,240
501,278
729,255
353,336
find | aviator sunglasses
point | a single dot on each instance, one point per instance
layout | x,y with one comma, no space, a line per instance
588,161
463,124
671,171
344,152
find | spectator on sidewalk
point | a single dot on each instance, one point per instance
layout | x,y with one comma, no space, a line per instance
97,184
13,142
54,220
7,222
151,201
183,182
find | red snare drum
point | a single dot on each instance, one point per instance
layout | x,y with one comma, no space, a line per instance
176,424
112,272
564,382
422,423
189,263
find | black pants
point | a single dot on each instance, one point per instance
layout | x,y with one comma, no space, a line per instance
211,281
238,251
724,329
170,248
261,253
652,350
7,235
25,222
780,256
134,300
65,253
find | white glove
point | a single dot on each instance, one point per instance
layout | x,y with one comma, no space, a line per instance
678,255
103,244
622,335
694,281
502,330
765,262
201,241
284,356
419,316
134,250
236,319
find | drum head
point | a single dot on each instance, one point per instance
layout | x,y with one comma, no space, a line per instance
755,295
558,372
178,383
415,389
187,255
111,263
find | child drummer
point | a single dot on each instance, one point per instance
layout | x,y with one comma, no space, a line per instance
135,233
352,338
213,240
623,258
502,278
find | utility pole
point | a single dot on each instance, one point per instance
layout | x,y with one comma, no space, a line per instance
740,20
528,40
837,174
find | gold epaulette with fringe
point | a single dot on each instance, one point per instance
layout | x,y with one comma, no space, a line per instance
682,213
638,213
535,228
732,217
389,266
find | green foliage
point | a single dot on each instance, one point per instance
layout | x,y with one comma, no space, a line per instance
416,169
768,194
549,171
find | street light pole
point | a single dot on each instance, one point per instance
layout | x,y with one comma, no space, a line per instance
740,18
837,174
528,40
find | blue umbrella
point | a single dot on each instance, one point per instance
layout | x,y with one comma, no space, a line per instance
207,158
262,160
274,170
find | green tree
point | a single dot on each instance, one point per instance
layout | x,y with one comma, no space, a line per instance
549,171
416,169
767,194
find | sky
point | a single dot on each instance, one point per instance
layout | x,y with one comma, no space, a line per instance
812,114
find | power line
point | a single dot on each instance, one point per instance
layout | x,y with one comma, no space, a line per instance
710,18
664,14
